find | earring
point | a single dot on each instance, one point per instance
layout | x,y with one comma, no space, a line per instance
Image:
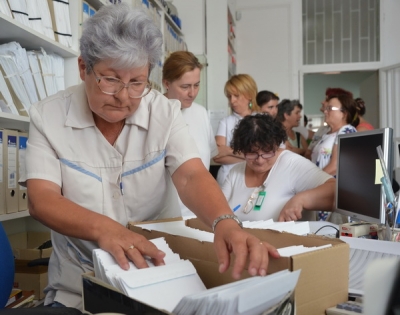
250,105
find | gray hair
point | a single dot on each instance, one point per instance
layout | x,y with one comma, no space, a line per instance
286,107
128,37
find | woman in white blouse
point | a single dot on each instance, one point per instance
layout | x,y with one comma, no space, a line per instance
241,91
273,183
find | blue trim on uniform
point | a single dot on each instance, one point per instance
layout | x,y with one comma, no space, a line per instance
148,164
80,169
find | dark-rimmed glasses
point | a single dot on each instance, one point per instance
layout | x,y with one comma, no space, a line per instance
111,86
252,156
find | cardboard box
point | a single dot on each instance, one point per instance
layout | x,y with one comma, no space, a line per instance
323,280
25,245
30,278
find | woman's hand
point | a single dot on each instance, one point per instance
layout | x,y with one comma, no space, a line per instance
125,245
292,210
231,238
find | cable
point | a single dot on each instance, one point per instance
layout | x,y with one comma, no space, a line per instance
330,226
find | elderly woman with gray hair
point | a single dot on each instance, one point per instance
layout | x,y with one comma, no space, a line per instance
108,151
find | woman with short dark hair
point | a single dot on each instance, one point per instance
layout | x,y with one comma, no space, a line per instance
289,114
273,183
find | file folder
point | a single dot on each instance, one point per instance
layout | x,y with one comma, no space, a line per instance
10,151
2,188
59,11
22,191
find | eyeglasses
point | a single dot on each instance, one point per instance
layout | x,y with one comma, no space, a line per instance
331,108
112,86
254,156
253,199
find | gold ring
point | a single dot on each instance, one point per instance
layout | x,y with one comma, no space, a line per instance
131,247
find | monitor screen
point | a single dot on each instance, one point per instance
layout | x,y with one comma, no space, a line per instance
357,195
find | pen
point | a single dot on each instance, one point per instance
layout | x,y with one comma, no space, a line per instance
236,208
121,188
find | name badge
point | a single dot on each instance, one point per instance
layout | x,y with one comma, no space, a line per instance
259,201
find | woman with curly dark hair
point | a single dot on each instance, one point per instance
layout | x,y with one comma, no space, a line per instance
273,183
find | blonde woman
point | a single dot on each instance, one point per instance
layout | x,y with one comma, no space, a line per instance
241,91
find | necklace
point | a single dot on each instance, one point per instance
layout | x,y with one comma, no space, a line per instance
119,132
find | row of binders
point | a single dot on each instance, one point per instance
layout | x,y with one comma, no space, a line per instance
177,288
27,77
13,197
48,17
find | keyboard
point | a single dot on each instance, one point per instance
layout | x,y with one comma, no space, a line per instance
347,308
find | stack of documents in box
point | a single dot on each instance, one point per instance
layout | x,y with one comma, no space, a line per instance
298,228
169,283
177,288
252,296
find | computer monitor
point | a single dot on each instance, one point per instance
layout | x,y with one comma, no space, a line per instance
357,195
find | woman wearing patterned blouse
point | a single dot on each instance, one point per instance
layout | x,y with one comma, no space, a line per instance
341,117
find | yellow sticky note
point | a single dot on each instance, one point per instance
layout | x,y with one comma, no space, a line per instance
378,172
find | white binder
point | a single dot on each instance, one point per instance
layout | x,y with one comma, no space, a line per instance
22,191
10,169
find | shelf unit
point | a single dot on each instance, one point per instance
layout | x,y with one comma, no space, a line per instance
30,39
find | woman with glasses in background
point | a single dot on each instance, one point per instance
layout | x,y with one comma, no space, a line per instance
341,117
273,183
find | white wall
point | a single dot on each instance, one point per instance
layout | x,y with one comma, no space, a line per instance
192,15
265,44
390,38
217,53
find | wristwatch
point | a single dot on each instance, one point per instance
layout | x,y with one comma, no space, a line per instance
226,216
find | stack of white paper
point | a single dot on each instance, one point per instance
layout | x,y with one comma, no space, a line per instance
61,21
294,227
36,73
177,288
4,8
6,100
46,66
58,70
35,18
169,283
20,58
250,296
362,252
20,11
14,82
45,15
299,249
